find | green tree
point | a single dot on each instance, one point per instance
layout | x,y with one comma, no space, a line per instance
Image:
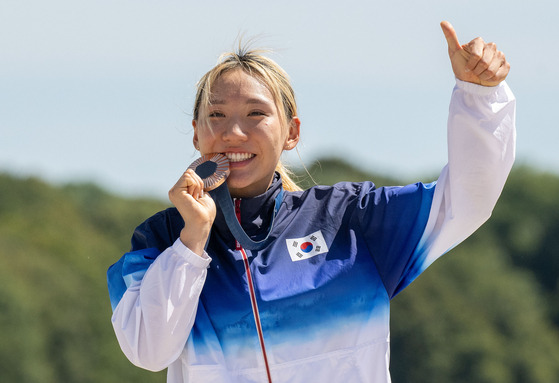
55,247
486,312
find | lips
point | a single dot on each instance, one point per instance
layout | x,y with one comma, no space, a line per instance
238,157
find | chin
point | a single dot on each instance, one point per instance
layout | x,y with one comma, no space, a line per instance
245,189
237,185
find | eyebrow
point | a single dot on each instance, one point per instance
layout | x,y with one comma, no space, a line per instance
248,101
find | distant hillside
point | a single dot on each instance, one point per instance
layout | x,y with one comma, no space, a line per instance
328,171
56,244
486,312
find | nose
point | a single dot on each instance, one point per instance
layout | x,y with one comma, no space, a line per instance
234,132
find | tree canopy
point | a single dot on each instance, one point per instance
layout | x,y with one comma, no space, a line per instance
486,312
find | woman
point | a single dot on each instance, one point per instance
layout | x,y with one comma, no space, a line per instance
313,304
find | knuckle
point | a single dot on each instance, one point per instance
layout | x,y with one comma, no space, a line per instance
489,73
478,40
476,55
481,66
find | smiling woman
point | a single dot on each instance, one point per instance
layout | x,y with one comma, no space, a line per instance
243,122
271,83
311,301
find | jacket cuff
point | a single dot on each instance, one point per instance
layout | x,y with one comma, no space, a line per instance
480,90
191,257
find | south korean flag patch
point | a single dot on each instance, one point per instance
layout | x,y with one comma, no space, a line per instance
306,247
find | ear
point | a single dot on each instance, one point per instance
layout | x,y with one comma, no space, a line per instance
195,136
293,134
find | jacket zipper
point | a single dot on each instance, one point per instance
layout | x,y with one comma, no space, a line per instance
252,291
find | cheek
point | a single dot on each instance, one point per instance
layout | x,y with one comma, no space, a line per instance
275,142
276,134
205,136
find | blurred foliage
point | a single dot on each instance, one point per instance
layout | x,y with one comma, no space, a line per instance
486,312
56,244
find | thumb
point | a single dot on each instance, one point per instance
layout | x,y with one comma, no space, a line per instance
451,38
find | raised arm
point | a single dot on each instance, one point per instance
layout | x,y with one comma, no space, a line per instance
155,296
481,145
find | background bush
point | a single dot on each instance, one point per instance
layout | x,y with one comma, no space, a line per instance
486,312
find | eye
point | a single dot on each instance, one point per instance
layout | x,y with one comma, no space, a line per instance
256,113
216,114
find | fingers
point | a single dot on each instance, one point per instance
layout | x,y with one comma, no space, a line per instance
477,61
196,187
206,200
196,208
485,61
502,72
493,63
189,184
451,38
480,55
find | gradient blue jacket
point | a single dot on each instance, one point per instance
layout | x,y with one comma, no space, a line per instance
313,305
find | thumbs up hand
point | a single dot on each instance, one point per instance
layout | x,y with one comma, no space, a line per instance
477,61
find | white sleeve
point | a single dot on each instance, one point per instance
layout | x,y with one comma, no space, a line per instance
153,319
481,151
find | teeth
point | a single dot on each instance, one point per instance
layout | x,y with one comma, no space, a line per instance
238,157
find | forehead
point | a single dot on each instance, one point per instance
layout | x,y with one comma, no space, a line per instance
237,85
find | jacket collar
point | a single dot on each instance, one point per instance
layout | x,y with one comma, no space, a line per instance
256,213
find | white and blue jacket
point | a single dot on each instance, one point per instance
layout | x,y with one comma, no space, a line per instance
313,305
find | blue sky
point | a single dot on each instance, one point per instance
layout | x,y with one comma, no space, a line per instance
102,90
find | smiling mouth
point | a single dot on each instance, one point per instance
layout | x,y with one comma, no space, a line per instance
238,157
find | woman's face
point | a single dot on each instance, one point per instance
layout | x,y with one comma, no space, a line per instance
246,127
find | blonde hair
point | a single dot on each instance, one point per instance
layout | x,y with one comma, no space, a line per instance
255,64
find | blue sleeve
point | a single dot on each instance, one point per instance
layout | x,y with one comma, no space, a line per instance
149,240
393,220
130,267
